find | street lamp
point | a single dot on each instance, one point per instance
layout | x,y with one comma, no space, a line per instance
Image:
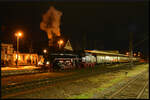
60,42
45,51
134,54
127,53
19,34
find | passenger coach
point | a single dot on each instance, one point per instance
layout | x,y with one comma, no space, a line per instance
103,57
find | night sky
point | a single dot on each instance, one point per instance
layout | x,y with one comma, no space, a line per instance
103,25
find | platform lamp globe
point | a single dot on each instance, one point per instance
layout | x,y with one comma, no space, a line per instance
60,42
18,35
45,51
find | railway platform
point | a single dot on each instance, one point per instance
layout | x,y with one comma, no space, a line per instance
15,70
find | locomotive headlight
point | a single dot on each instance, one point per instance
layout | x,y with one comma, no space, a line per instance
47,62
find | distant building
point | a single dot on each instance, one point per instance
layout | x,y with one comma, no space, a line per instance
7,51
25,58
9,57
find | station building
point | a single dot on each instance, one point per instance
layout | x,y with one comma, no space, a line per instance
9,57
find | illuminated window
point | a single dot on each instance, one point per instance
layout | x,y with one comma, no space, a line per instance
5,57
107,57
19,57
87,58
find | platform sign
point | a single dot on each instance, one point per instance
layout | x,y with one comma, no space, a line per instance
68,46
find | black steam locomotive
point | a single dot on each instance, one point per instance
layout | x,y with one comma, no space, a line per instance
87,58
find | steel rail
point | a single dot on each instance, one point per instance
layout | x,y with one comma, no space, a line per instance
23,73
36,72
142,91
126,85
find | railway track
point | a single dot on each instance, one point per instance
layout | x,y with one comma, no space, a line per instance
17,88
14,89
133,89
145,93
20,73
30,72
42,80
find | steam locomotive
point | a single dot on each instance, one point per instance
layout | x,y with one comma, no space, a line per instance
87,58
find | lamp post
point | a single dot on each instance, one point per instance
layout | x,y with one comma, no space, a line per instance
45,52
131,48
19,34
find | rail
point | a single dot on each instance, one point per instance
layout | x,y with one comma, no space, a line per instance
127,86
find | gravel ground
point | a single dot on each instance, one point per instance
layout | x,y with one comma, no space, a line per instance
87,87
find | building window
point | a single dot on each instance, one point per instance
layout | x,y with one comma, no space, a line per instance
5,49
33,59
5,57
23,57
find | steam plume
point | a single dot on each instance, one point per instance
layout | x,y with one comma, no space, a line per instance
51,23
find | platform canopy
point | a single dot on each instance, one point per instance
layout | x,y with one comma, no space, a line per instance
103,52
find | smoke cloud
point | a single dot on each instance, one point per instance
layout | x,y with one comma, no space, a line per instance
51,23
